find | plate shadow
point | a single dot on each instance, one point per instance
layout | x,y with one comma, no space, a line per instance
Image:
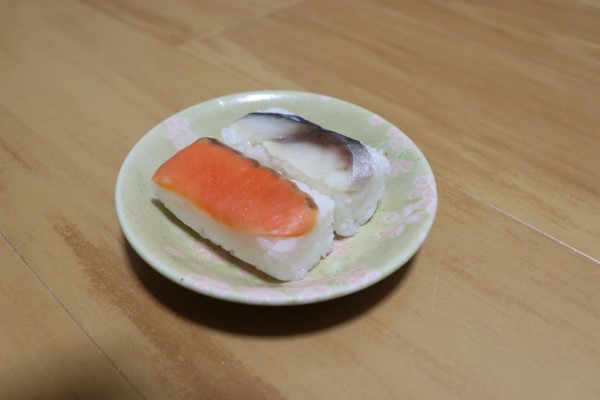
257,320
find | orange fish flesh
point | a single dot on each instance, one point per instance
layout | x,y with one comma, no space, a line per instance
237,191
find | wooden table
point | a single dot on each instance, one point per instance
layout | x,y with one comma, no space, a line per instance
503,299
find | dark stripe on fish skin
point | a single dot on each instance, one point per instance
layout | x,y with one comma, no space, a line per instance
316,128
352,152
326,139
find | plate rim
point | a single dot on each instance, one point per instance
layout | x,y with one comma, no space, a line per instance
400,260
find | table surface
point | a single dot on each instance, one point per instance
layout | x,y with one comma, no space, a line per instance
502,300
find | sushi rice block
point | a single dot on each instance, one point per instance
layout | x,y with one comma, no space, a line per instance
351,173
281,227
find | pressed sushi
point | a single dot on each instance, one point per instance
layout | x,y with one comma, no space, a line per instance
281,227
351,173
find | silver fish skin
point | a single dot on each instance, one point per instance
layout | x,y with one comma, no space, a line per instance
341,161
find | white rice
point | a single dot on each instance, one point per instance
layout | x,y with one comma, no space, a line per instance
283,258
352,209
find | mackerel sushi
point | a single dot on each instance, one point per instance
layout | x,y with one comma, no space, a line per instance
351,173
279,226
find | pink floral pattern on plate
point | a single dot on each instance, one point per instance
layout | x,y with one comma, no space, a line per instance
205,252
262,294
397,146
424,197
426,191
178,130
340,246
399,140
376,120
400,166
308,290
398,221
358,277
205,284
307,293
173,252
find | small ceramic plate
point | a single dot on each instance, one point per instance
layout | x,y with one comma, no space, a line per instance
396,231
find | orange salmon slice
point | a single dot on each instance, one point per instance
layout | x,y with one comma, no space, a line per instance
237,191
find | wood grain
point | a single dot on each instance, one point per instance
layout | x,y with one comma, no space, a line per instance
45,354
496,124
501,302
179,21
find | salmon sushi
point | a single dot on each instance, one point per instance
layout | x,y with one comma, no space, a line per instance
281,227
351,173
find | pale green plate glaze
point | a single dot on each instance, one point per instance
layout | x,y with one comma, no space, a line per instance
394,234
